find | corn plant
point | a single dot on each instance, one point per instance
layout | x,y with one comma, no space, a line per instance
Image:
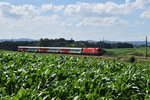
26,76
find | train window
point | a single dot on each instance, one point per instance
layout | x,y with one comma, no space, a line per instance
99,49
75,50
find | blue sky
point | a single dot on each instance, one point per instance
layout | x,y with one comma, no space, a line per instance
118,20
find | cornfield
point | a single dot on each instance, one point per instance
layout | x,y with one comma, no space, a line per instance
26,76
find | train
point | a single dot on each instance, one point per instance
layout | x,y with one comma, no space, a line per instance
61,50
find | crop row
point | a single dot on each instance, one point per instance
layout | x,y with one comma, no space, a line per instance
26,76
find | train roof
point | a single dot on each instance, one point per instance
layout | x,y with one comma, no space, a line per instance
48,47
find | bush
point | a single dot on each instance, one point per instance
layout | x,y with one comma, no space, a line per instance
131,59
148,55
108,53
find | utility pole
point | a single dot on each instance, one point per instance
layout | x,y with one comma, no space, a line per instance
12,44
12,39
146,48
100,43
103,43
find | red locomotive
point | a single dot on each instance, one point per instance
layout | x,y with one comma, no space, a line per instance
66,50
94,51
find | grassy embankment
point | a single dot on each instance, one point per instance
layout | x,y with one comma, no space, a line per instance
126,53
137,51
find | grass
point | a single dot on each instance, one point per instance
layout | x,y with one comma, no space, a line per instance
137,51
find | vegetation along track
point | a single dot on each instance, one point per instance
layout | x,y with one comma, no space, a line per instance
106,57
27,76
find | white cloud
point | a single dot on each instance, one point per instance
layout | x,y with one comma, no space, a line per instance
146,14
48,7
97,9
11,11
141,4
26,11
58,8
96,21
39,26
127,2
46,18
5,10
98,14
107,9
65,24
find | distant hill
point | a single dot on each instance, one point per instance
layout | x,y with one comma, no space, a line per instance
91,40
20,39
135,43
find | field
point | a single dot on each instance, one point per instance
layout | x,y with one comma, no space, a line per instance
27,76
137,51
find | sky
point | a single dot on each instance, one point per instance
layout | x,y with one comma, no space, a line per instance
115,20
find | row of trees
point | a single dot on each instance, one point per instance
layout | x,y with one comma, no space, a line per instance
61,42
12,46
